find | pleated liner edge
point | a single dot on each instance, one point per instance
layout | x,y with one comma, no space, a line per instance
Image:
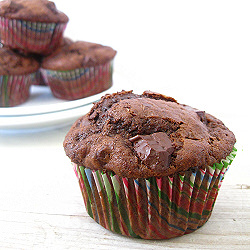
153,208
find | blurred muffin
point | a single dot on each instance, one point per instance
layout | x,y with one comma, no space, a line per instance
38,78
15,77
31,26
149,167
65,42
79,69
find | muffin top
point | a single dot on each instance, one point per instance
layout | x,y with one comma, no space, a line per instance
12,63
146,135
64,42
32,10
77,55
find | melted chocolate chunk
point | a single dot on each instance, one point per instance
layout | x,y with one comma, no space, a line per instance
155,147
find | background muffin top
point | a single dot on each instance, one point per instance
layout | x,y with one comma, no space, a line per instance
77,55
32,10
105,138
12,63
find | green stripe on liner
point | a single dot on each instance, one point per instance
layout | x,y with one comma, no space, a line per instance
206,212
219,165
226,162
86,183
164,197
170,181
103,195
213,167
178,209
188,179
125,216
196,186
181,177
114,222
99,180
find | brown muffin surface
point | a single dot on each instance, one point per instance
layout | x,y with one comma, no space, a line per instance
77,55
130,134
12,63
32,10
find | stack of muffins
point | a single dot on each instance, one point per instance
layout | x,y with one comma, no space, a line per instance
34,51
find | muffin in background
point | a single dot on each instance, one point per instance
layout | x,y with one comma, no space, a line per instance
31,26
16,73
38,78
66,41
149,167
79,69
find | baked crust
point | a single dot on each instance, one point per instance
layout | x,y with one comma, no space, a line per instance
13,63
100,140
77,55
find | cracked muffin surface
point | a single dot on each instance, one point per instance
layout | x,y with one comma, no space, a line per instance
13,63
77,55
132,135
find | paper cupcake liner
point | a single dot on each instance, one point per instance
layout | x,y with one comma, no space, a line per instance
38,79
153,208
14,89
33,37
79,83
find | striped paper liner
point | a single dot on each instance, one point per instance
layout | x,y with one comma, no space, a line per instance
14,89
79,83
33,37
38,79
153,208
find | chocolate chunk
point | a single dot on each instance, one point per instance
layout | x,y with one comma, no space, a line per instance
153,148
202,116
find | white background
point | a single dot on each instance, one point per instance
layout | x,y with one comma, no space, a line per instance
195,51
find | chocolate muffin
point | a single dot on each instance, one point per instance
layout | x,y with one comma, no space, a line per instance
38,77
79,70
148,166
31,26
16,72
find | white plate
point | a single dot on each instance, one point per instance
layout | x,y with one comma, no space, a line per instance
42,110
41,101
46,120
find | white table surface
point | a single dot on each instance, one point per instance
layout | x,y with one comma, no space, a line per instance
195,51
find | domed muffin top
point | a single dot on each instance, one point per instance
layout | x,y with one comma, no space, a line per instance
77,55
32,10
146,135
12,63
